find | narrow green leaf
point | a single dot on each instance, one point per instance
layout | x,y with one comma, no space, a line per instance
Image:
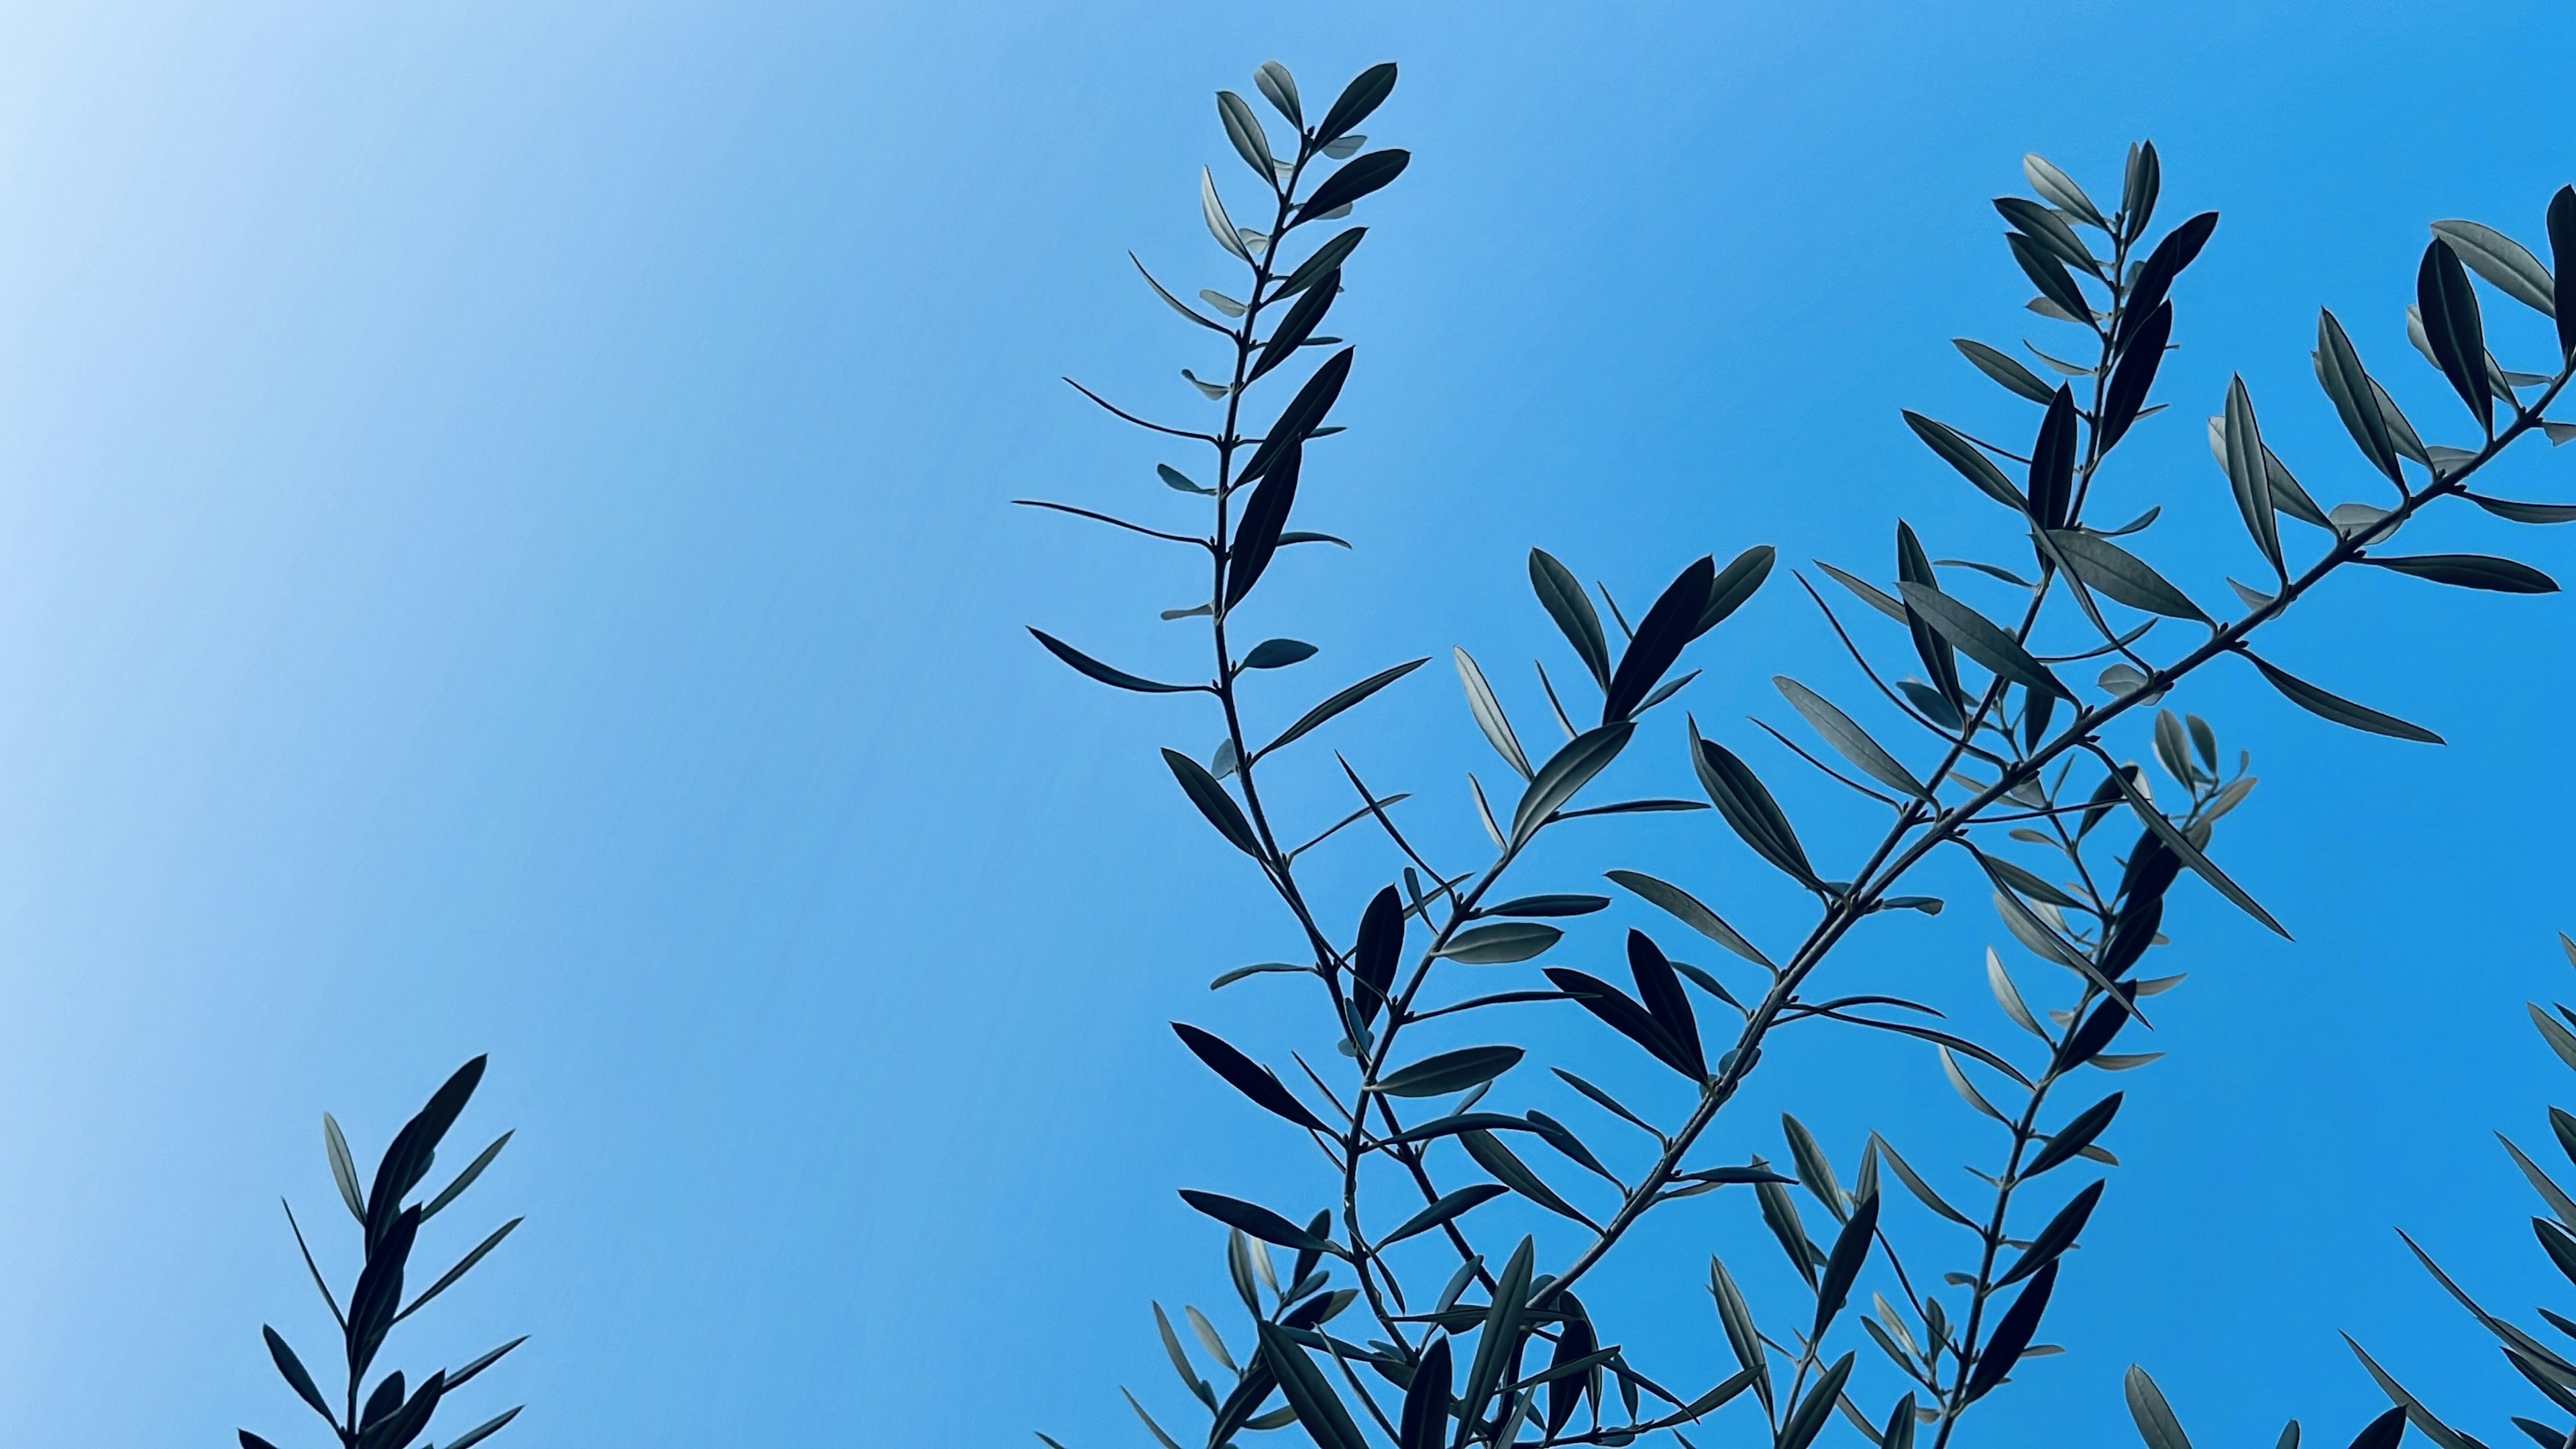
1735,583
2075,1136
2453,331
1246,1075
1453,1071
1737,1318
459,1271
2506,264
1364,94
2113,571
1118,678
1848,739
1243,128
1965,456
2247,475
1511,1172
1358,178
1318,1408
2349,385
2342,711
1489,714
1804,1425
1565,774
2191,855
1326,262
1501,944
1219,225
1915,1184
1213,802
2468,571
1254,1220
2506,508
1311,719
1748,807
2059,188
1448,1207
1980,638
2004,369
1500,1340
2156,1422
344,1171
1681,906
1563,597
292,1369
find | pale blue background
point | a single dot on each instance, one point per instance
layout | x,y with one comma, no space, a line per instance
503,547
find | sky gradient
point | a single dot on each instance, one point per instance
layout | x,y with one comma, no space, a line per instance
504,547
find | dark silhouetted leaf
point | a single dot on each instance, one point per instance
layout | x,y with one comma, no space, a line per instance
2156,275
1253,1219
1326,262
2469,571
2135,375
1564,775
1449,1206
2341,710
2003,369
1913,566
2075,1136
1980,638
1452,1071
1425,1421
1363,95
2052,461
1804,1425
1850,1251
1256,537
1623,1016
1311,719
1299,324
2453,330
1563,597
1373,958
1318,1408
1660,992
1501,944
1734,584
2055,1238
2012,1335
1248,1076
1213,802
1357,178
1972,464
1278,654
2048,275
1304,414
1105,673
1848,739
1671,623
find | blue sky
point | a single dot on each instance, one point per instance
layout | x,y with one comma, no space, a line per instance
504,547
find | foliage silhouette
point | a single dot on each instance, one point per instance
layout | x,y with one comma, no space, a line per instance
392,1417
2016,767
